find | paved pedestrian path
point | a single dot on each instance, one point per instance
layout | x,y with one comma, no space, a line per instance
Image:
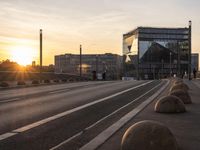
184,126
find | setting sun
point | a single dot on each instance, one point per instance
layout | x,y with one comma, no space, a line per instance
22,55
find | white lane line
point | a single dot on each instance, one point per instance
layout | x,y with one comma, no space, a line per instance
66,141
65,90
106,134
7,135
104,118
122,107
9,100
41,122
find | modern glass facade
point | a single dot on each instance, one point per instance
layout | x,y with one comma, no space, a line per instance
156,52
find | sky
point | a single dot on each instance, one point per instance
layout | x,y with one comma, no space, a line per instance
96,24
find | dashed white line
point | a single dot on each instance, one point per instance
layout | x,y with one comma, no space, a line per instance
7,135
38,123
66,141
104,118
106,134
65,90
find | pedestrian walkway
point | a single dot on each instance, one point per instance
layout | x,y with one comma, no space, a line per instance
184,126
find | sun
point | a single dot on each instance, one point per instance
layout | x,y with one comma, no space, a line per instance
22,55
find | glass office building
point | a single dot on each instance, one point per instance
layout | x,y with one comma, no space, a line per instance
156,52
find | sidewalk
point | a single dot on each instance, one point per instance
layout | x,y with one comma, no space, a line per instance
184,126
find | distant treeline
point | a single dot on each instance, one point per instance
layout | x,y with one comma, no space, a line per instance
7,65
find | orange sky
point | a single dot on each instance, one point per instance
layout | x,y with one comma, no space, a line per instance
96,24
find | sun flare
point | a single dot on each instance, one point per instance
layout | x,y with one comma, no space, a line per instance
22,55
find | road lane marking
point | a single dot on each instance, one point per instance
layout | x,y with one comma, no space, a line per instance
104,118
107,133
66,141
46,120
9,100
53,92
7,135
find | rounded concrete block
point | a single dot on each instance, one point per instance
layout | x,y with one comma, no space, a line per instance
181,86
169,104
178,82
148,135
183,95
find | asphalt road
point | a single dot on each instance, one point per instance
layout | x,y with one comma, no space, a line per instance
65,116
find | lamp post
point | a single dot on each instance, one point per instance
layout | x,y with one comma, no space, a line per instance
80,61
97,64
40,54
190,49
170,61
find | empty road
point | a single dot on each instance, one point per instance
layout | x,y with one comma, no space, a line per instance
66,116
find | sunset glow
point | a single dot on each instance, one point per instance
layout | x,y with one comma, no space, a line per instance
96,24
22,55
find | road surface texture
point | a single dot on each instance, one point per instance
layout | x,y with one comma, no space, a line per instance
66,116
184,126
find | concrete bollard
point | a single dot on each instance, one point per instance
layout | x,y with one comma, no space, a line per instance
183,95
178,82
148,135
21,83
169,104
181,86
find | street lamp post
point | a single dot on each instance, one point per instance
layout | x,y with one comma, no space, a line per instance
80,61
40,54
190,50
97,64
170,61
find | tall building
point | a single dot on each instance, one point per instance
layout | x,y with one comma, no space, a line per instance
99,63
156,52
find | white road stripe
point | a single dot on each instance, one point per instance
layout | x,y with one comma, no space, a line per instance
41,122
78,134
66,141
106,134
7,135
65,90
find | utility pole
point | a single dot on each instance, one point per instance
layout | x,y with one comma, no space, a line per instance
179,60
190,50
97,64
170,61
80,61
40,55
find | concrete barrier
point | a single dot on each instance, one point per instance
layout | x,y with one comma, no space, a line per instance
35,82
169,104
178,82
183,95
4,84
148,135
21,83
181,86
